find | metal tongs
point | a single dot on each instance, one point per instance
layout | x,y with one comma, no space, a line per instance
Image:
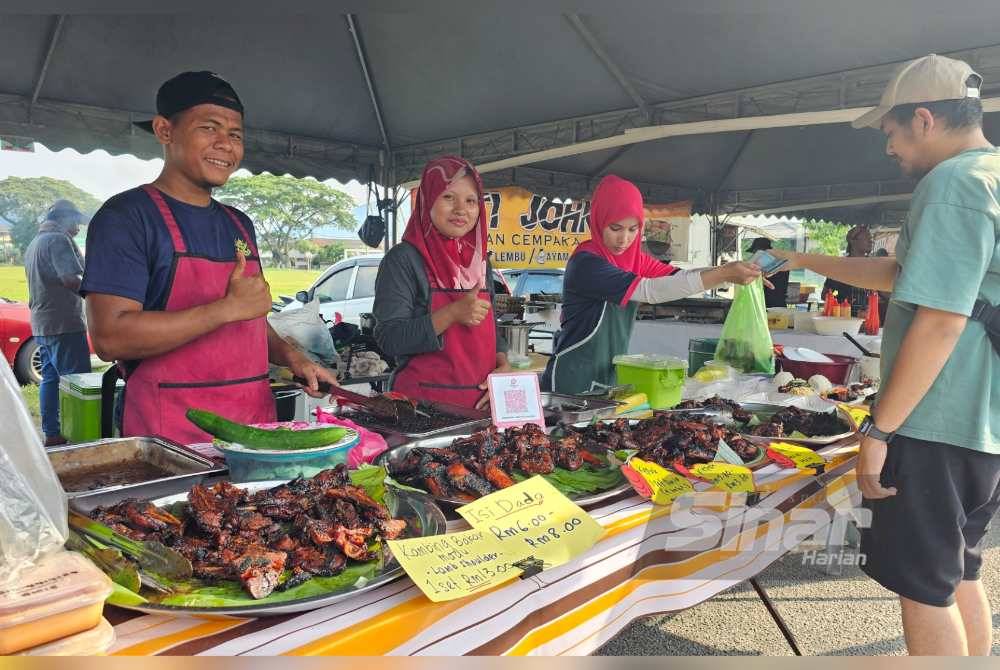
391,406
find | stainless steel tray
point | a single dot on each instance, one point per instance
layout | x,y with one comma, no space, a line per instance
388,458
472,420
185,468
421,515
560,408
764,411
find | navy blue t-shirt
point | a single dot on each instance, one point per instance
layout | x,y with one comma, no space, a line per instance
130,252
590,282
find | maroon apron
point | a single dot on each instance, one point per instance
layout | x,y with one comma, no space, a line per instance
224,371
454,373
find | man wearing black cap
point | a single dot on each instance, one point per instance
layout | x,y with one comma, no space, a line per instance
53,265
175,291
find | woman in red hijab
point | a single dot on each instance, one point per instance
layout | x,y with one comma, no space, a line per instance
434,292
606,278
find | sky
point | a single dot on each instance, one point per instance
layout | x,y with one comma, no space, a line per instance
104,175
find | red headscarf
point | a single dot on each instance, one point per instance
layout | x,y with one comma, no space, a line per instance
615,199
452,263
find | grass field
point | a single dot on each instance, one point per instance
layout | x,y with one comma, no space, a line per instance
13,284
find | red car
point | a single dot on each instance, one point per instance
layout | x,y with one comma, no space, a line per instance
16,342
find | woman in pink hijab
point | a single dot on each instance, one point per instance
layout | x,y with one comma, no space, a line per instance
434,292
606,278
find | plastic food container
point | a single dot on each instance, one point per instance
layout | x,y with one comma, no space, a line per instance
661,378
803,322
834,325
255,465
61,596
837,372
94,642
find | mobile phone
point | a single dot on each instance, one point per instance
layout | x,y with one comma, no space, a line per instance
768,263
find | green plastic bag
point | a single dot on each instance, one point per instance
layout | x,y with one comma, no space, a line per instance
745,342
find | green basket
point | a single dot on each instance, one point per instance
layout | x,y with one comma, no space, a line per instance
700,351
661,378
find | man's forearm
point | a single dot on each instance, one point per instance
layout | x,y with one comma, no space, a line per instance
279,350
138,334
926,347
877,274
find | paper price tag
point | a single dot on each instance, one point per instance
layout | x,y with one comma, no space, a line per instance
799,457
725,476
533,519
447,567
856,413
655,482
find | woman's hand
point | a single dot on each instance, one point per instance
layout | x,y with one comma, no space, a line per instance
502,366
470,309
740,272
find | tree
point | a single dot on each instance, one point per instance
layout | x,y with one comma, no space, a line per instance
329,254
827,237
24,200
286,210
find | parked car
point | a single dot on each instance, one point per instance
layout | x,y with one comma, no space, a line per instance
19,347
524,282
348,288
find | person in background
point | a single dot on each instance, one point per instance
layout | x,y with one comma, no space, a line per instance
929,463
54,267
859,245
775,295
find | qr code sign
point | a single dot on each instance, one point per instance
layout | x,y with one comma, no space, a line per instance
516,400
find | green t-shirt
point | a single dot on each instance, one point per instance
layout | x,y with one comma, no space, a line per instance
948,256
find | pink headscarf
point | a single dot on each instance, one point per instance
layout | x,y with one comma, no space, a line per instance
452,263
615,199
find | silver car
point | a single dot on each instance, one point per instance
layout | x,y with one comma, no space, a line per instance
348,288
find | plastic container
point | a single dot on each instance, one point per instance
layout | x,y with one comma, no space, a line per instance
871,368
714,371
661,378
803,322
837,372
94,642
255,465
831,325
62,595
80,406
700,351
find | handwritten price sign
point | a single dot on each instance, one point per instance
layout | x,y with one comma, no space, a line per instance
446,567
792,455
655,482
533,519
725,476
528,522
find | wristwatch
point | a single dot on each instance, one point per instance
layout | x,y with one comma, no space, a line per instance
868,428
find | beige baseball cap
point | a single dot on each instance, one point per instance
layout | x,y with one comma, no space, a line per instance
926,79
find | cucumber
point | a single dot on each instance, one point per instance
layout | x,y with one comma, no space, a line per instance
278,439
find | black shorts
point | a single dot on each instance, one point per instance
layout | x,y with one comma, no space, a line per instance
927,538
